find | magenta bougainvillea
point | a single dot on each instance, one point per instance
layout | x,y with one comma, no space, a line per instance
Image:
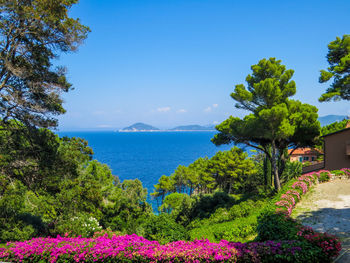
132,248
330,244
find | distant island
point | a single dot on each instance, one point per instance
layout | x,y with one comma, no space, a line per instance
142,127
139,127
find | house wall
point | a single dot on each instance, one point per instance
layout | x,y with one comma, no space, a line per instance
335,150
295,158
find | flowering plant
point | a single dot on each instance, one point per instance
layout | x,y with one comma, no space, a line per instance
302,185
289,198
330,244
295,193
346,171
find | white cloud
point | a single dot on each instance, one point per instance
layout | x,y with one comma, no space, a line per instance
216,122
182,111
209,109
104,126
164,109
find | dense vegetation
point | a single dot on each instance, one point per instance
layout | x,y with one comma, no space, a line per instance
51,186
293,242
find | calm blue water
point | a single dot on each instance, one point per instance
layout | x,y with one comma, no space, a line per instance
148,155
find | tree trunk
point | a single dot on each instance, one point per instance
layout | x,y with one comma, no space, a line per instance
267,170
275,168
282,163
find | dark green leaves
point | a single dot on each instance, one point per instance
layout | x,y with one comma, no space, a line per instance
275,120
338,58
32,34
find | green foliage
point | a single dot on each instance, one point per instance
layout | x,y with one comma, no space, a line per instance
273,226
338,58
164,229
14,222
46,181
207,204
174,203
232,172
80,225
245,208
32,35
338,172
291,171
237,223
324,177
238,230
276,123
307,253
333,127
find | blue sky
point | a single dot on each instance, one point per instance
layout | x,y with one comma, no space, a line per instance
175,62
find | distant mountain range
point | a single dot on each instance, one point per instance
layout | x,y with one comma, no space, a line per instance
142,127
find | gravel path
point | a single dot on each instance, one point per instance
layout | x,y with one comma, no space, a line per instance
326,208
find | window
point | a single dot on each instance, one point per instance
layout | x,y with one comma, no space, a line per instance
306,158
313,158
300,158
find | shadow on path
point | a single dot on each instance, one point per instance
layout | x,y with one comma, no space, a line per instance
333,221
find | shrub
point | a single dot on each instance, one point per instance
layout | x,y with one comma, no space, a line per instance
329,244
276,226
164,229
324,177
283,251
206,205
338,172
81,225
220,215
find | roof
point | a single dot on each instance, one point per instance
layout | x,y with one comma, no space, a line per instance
304,151
346,129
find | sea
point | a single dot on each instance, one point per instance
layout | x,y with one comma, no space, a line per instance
148,155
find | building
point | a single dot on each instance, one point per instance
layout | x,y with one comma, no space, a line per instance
304,155
337,149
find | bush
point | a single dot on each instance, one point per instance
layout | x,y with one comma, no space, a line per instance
329,244
220,215
246,208
206,205
338,172
276,226
239,230
284,251
164,229
324,177
81,225
292,170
